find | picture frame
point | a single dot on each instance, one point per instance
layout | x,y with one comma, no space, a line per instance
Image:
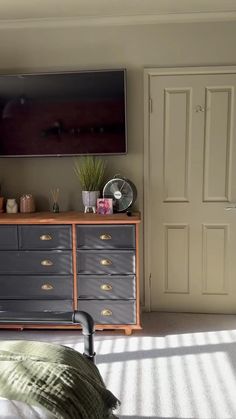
104,206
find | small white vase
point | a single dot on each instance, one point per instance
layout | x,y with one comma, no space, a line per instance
89,199
11,206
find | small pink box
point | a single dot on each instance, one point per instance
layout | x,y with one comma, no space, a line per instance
104,206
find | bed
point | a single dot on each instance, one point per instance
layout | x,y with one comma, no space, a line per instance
45,380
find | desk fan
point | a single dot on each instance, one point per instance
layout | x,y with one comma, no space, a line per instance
122,191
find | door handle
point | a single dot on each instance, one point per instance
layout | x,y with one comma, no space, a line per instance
105,262
46,262
46,237
231,207
199,108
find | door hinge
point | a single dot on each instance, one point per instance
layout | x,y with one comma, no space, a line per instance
150,105
150,280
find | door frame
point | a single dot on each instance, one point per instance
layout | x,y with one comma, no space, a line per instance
148,104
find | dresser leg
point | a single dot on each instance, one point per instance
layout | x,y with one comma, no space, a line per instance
128,331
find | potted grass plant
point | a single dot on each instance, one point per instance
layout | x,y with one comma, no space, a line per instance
90,171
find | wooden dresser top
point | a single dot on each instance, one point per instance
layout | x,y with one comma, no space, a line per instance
69,217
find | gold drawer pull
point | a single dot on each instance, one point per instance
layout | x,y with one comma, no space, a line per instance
45,237
106,287
105,262
105,236
47,287
106,312
46,262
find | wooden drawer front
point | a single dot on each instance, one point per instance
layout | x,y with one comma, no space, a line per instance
8,237
106,237
106,287
36,262
36,305
110,312
110,262
36,287
45,237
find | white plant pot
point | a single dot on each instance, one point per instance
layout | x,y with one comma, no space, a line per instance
89,199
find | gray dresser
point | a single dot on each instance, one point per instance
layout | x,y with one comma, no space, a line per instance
36,268
68,261
107,272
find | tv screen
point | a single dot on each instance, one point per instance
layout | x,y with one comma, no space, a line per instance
63,114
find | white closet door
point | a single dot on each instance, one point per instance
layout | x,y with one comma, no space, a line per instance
192,167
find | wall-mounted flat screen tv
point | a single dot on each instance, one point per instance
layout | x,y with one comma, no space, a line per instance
63,114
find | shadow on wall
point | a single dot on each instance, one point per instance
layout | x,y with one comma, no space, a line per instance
42,202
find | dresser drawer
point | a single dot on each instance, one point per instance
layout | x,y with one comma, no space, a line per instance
106,287
110,312
36,305
45,237
8,237
36,287
106,237
110,262
36,262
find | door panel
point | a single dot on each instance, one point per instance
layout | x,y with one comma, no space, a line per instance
218,143
176,124
215,259
192,181
176,259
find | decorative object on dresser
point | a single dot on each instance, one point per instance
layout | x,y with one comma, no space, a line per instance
55,199
122,191
27,203
68,261
89,199
90,171
104,206
12,206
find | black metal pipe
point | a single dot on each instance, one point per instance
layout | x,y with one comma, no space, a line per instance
87,323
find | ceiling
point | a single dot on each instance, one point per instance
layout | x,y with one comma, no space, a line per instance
115,11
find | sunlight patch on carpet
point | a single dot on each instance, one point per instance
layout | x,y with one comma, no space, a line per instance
176,376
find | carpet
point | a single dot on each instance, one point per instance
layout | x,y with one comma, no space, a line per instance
180,366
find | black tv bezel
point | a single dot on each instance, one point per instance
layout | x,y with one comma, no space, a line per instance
42,73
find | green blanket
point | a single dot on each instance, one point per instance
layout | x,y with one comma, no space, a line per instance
55,377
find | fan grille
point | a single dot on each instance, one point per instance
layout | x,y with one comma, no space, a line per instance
121,191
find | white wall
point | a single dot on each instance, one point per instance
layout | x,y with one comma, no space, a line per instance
132,47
